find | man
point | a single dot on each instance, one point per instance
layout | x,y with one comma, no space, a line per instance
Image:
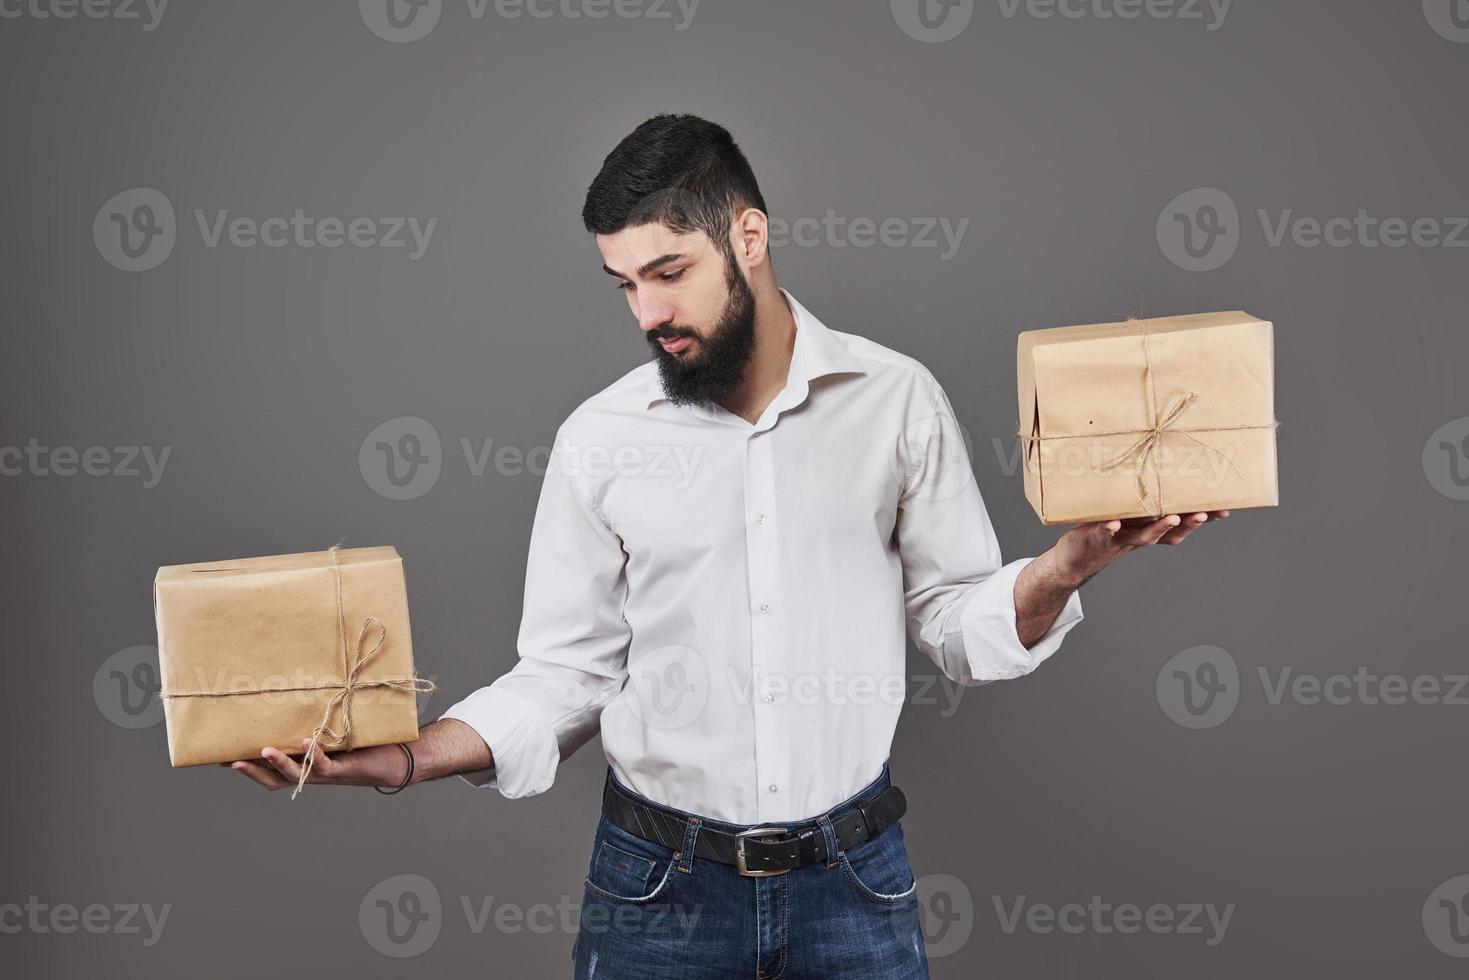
732,545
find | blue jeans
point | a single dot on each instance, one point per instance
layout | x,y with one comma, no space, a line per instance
650,913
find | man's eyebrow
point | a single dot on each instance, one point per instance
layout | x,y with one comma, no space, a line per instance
657,263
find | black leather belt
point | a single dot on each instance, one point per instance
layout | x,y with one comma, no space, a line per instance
759,851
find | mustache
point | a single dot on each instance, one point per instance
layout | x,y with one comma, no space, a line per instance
670,333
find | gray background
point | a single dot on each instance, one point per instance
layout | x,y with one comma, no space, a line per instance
1328,826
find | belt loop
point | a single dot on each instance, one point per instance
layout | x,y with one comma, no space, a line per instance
829,835
685,855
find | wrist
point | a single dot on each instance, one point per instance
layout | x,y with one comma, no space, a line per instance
1061,573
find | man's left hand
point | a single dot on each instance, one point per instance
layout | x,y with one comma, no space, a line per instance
1088,548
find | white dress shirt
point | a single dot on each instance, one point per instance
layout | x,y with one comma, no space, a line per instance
730,602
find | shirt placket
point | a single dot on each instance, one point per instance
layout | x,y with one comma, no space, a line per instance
762,553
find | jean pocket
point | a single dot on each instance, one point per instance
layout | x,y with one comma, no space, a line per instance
620,874
878,869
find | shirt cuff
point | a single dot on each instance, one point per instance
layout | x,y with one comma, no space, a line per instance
991,640
523,746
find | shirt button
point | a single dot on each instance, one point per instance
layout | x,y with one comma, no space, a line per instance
769,697
765,607
759,518
773,788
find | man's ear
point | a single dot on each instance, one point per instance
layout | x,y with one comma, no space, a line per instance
750,237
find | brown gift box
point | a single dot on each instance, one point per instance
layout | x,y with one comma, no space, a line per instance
1148,417
276,650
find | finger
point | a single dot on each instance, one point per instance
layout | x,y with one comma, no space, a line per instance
1189,525
264,775
322,765
282,763
1150,533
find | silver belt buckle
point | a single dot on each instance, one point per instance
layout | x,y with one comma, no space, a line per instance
740,850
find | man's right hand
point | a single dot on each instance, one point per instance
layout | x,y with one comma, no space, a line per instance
444,748
380,765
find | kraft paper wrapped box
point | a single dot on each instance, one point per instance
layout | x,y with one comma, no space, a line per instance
271,651
1148,417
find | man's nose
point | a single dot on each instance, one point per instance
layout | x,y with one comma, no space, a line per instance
653,313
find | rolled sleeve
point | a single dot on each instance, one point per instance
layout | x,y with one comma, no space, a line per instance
985,627
522,744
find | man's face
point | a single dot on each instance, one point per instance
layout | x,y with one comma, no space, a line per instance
694,306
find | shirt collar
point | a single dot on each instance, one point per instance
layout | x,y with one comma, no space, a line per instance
817,353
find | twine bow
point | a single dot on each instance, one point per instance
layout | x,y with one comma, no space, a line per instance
1149,437
352,682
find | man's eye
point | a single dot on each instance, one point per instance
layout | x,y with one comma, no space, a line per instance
672,276
624,285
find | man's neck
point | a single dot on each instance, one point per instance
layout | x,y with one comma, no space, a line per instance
770,362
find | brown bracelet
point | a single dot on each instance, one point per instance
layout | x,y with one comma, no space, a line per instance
407,778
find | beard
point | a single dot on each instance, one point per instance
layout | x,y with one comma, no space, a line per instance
714,364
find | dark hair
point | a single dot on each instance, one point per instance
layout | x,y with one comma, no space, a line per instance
679,170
